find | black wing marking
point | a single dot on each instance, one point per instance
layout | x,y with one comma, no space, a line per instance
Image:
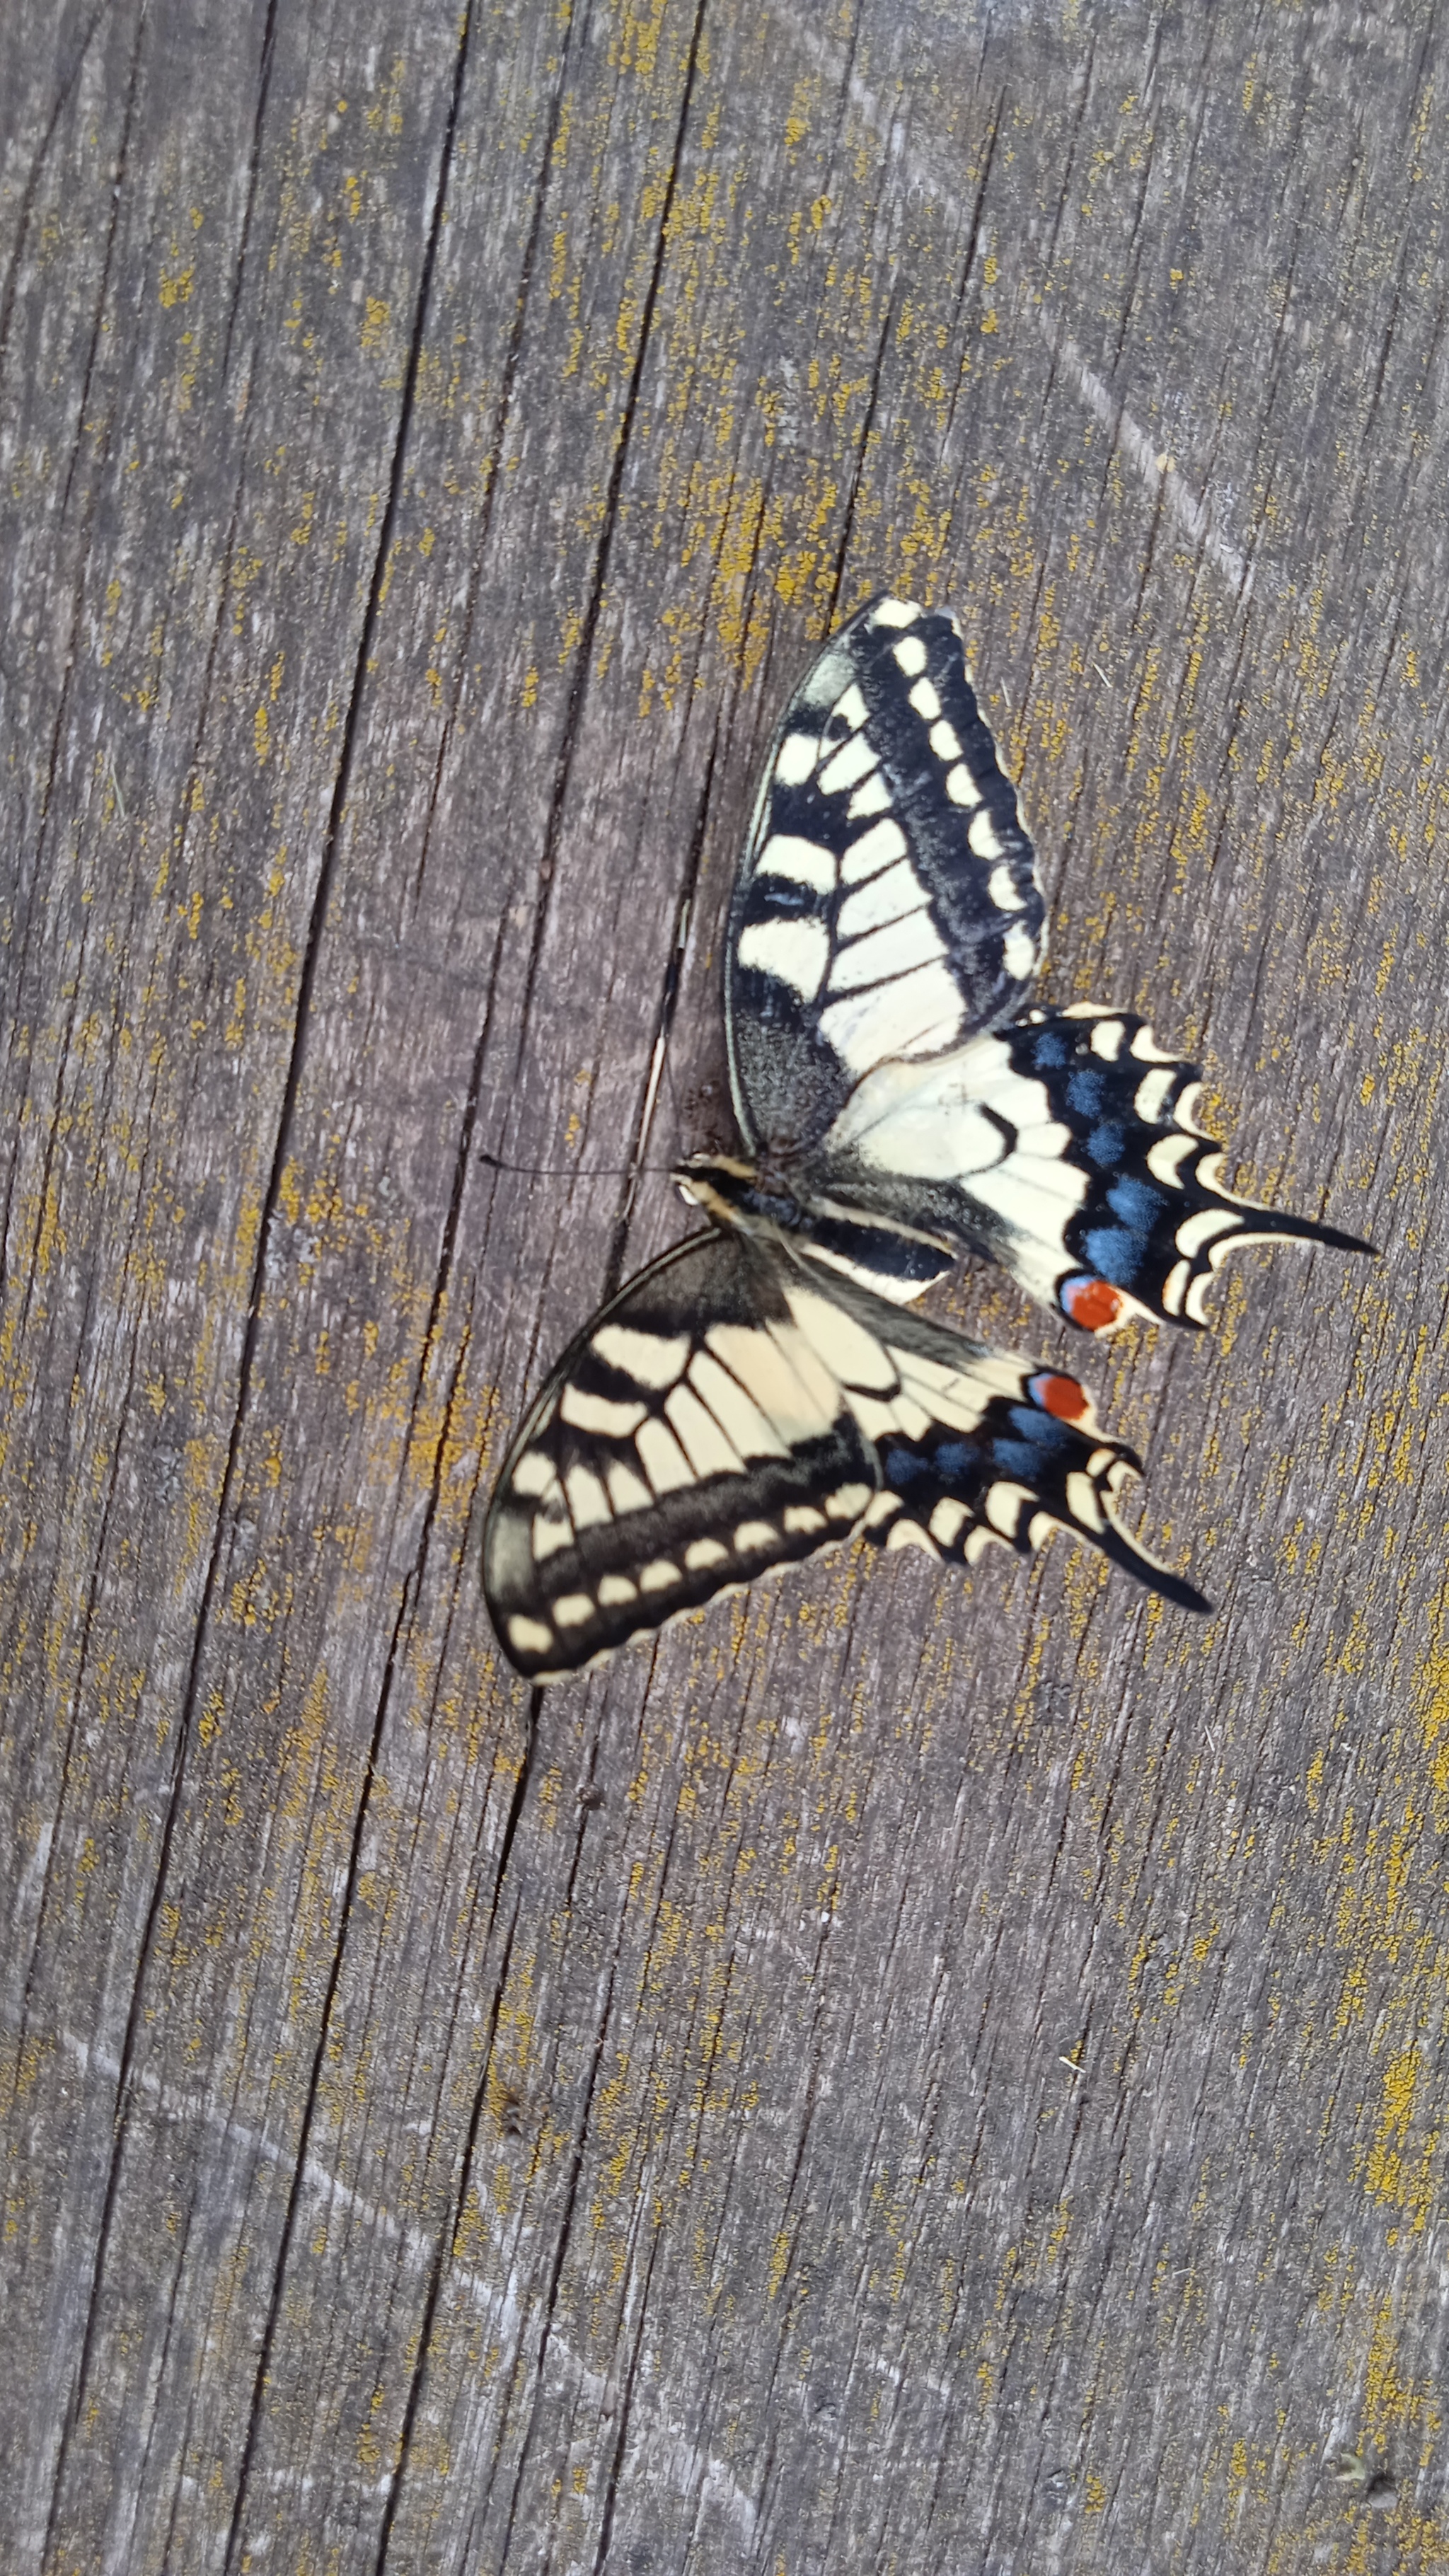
724,1415
887,904
1065,1148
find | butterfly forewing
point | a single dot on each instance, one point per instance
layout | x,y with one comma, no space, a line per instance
887,906
689,1440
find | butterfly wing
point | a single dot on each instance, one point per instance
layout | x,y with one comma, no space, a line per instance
974,1446
724,1415
1065,1148
887,904
689,1440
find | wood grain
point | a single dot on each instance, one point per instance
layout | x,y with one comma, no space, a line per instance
911,2074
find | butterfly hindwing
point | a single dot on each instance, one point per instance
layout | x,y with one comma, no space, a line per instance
724,1415
1064,1147
887,904
1034,1461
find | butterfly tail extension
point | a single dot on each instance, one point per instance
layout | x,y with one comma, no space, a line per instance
1152,1221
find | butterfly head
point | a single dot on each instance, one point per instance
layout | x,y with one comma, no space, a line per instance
754,1198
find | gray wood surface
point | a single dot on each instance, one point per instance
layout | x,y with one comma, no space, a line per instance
912,2075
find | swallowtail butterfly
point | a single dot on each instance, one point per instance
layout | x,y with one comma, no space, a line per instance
761,1393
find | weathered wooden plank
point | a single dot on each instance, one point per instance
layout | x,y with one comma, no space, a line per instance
910,2074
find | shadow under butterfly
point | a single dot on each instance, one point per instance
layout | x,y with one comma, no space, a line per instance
761,1392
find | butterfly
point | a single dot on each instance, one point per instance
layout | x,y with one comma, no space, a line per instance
761,1392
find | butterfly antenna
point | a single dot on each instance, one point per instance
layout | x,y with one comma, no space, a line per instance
659,1061
568,1171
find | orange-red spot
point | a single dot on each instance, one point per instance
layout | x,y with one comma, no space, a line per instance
1091,1303
1061,1396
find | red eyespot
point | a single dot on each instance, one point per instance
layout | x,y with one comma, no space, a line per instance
1061,1396
1091,1303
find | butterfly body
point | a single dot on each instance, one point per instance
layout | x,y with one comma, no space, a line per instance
762,1391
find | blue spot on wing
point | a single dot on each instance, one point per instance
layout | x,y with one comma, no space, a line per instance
903,1467
1107,1144
954,1460
1086,1092
1051,1048
1114,1254
1017,1458
1137,1203
1043,1430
